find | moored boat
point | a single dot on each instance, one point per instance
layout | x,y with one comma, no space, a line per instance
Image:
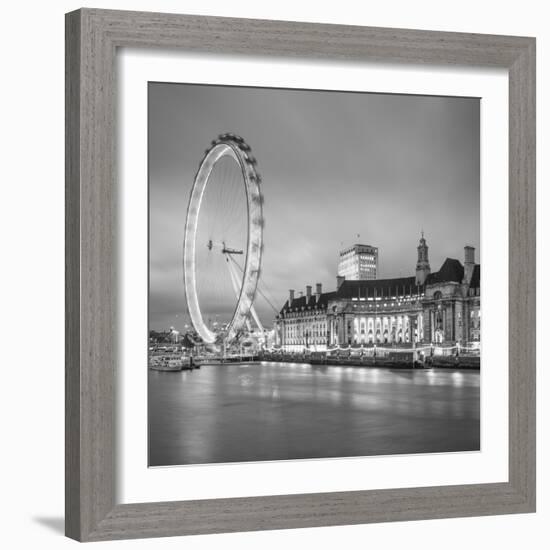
170,363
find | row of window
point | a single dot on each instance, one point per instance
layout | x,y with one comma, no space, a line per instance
302,319
302,341
317,330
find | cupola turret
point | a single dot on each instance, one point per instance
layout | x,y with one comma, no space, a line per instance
422,263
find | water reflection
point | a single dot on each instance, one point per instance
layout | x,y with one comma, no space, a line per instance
276,411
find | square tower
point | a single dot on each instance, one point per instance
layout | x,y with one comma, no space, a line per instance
358,262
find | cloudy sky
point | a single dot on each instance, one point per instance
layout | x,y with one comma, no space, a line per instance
334,165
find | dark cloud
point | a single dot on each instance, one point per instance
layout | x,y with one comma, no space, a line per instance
333,164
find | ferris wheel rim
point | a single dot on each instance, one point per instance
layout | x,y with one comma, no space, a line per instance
227,145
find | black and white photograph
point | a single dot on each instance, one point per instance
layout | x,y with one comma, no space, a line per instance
314,274
243,245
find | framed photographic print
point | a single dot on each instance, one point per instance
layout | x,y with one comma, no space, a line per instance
275,240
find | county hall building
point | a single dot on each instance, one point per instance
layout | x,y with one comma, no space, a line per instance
442,307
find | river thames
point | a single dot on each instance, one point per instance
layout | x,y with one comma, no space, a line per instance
277,411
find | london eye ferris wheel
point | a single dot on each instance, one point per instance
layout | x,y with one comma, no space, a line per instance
223,241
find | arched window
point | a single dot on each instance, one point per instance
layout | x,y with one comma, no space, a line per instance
437,295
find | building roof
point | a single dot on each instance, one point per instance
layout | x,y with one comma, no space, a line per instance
450,271
376,287
453,271
358,246
301,301
476,276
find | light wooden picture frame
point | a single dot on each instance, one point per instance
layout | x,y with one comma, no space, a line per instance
92,39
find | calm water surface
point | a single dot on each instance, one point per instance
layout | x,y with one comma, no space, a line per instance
276,411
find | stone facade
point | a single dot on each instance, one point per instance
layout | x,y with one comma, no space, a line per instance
441,307
302,322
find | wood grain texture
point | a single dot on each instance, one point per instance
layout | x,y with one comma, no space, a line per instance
72,277
522,274
92,37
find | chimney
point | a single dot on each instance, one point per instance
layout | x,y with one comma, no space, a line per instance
308,293
290,297
469,263
469,255
318,291
300,294
339,280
